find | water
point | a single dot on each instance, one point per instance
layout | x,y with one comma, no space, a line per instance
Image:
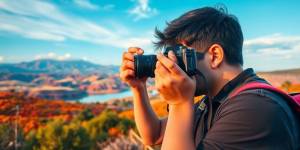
105,97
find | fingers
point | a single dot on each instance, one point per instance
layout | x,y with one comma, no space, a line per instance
126,74
162,76
127,65
172,56
136,50
128,56
128,61
160,70
169,64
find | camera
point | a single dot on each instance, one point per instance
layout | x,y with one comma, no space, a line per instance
144,65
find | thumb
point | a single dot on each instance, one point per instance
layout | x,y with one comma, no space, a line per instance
140,51
172,56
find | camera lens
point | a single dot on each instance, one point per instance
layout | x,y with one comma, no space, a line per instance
144,65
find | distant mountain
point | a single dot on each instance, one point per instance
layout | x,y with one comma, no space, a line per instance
50,66
288,71
277,78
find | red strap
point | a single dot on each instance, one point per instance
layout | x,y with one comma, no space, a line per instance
297,98
259,85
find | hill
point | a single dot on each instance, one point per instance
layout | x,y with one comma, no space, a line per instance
51,66
288,71
277,78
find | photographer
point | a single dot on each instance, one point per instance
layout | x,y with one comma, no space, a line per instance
258,119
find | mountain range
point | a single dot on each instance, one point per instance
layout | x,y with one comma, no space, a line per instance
51,66
277,78
74,79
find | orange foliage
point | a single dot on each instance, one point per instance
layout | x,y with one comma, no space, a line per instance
33,111
294,88
32,124
113,132
127,114
5,95
158,105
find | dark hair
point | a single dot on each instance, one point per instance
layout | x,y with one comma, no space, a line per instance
201,28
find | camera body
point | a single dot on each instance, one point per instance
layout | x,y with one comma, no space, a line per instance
144,65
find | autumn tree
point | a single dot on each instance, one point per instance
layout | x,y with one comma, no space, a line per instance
85,115
58,135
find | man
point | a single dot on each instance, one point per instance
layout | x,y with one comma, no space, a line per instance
256,119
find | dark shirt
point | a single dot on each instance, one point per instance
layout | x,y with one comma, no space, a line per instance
254,119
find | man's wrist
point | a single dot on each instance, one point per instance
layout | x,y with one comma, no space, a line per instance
140,92
180,122
138,88
184,105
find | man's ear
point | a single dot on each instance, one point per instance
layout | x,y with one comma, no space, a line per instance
216,54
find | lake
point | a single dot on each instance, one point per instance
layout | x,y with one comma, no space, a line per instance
105,97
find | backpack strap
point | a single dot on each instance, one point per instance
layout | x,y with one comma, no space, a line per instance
296,97
293,102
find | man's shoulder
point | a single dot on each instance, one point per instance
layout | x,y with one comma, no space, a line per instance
253,119
261,115
257,99
261,106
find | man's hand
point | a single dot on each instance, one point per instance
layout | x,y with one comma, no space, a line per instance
148,124
177,89
174,85
127,73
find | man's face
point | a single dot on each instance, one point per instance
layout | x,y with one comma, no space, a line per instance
202,61
205,77
204,81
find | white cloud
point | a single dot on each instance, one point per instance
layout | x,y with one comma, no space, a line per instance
273,45
85,58
272,52
44,21
86,4
1,58
64,57
142,10
107,7
52,55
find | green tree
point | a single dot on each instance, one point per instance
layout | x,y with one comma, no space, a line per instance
57,135
98,126
75,137
85,115
50,137
31,142
83,132
125,125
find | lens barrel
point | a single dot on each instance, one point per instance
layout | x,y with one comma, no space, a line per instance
144,65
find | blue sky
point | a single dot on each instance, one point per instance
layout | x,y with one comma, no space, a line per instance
99,31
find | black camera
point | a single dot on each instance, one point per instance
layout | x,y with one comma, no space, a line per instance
144,65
